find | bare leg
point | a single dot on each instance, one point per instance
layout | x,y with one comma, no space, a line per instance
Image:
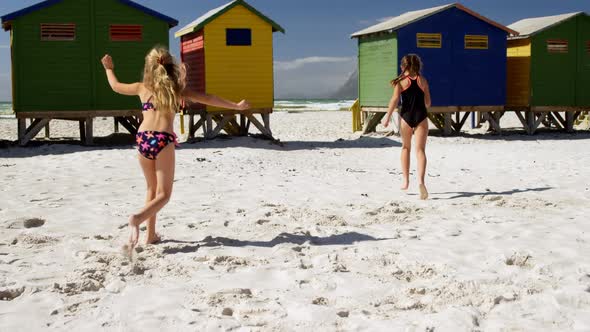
421,133
149,171
406,134
164,166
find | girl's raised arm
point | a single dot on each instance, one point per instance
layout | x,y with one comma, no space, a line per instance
132,89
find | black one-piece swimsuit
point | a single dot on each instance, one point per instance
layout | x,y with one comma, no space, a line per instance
413,109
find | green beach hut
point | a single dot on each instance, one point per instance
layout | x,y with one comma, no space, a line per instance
56,47
549,70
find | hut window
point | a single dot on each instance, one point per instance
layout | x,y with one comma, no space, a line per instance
429,40
238,37
57,31
126,32
557,46
476,42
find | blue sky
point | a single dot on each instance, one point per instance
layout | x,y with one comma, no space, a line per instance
316,55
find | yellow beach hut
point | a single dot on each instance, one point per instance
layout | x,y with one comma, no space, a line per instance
229,52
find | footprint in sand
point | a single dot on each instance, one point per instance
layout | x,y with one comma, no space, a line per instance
11,294
21,223
320,301
519,259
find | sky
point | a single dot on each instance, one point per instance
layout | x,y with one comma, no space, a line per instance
316,55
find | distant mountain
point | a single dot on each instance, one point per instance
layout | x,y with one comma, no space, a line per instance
349,90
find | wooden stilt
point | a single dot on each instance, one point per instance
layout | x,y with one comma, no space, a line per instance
22,127
191,126
522,119
266,121
220,125
82,131
437,120
259,126
374,118
460,122
530,120
448,124
540,118
243,129
88,140
494,121
29,133
569,121
209,126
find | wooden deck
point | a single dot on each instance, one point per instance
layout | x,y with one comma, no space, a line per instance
129,119
235,123
212,123
451,119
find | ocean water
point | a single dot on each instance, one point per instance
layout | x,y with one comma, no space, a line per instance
5,109
312,105
291,105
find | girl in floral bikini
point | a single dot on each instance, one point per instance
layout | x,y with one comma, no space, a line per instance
161,92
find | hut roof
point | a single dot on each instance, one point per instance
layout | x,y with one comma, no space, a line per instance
200,22
532,26
8,18
414,16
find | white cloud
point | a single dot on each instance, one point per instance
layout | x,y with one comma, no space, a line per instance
312,77
298,63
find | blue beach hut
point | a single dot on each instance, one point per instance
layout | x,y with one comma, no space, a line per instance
464,56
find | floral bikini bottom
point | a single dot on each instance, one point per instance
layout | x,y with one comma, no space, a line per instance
150,143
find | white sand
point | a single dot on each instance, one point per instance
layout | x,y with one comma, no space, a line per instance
311,236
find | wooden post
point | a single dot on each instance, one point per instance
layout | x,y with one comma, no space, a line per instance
243,129
82,131
569,121
89,135
266,120
530,121
448,127
373,120
47,130
22,128
191,125
116,125
209,126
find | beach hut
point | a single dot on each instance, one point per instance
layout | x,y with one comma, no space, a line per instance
549,70
56,47
229,52
464,57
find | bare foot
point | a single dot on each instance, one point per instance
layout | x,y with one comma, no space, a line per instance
405,185
423,192
153,240
133,231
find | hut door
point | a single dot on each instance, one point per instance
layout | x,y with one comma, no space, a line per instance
583,69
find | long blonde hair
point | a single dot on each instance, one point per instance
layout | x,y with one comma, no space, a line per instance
411,63
165,78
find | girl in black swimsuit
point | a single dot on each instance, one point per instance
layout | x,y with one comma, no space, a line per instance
413,90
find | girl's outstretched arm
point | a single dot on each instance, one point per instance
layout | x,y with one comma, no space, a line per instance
211,100
121,88
392,105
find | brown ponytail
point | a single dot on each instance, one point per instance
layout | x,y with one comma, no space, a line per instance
410,63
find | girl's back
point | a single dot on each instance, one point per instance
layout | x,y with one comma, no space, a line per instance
155,118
